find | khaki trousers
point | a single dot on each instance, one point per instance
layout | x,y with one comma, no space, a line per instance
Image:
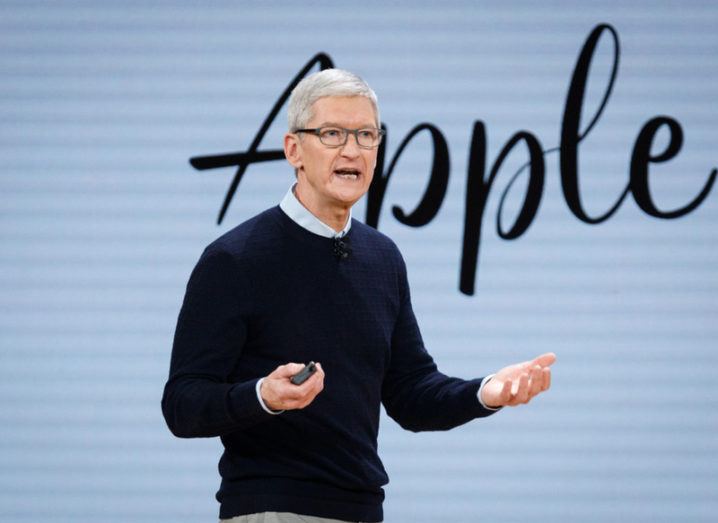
280,517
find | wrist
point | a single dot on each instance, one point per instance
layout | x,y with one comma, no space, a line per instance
480,394
262,401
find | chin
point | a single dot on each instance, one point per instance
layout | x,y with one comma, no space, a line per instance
346,199
348,195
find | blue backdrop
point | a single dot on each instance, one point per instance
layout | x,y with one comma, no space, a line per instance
102,219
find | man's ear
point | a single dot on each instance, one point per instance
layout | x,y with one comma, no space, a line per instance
293,150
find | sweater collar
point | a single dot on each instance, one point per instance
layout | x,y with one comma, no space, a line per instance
293,208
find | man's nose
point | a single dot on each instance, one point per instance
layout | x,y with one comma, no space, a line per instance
351,148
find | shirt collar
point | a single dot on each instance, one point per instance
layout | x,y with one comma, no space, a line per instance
293,208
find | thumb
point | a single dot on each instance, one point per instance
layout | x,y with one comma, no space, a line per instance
286,371
544,360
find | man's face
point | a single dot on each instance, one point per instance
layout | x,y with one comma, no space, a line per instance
333,177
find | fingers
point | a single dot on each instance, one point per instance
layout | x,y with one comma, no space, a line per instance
279,393
506,392
536,380
516,391
286,371
522,392
524,387
545,360
299,396
513,372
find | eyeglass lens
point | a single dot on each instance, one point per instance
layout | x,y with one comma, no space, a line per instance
335,136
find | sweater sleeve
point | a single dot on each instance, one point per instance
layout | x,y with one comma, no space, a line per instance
199,400
415,394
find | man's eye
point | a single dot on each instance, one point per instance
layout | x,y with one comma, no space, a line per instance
367,133
331,133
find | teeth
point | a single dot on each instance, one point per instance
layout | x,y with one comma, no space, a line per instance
348,174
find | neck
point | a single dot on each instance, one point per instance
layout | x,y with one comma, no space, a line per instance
335,216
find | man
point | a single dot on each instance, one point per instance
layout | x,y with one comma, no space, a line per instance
304,282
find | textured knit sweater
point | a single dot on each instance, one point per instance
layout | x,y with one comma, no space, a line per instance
267,293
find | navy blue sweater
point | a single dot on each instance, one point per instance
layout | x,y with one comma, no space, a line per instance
270,292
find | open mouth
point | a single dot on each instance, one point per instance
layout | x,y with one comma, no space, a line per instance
347,174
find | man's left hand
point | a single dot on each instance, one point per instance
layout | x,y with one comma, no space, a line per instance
518,384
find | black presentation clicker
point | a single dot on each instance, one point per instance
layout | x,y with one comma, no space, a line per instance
304,374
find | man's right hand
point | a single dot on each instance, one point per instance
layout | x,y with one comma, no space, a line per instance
278,393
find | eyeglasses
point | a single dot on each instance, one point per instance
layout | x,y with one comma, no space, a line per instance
367,138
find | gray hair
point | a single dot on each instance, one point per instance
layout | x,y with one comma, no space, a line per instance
330,82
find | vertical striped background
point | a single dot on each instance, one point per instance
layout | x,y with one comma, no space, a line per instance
102,219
